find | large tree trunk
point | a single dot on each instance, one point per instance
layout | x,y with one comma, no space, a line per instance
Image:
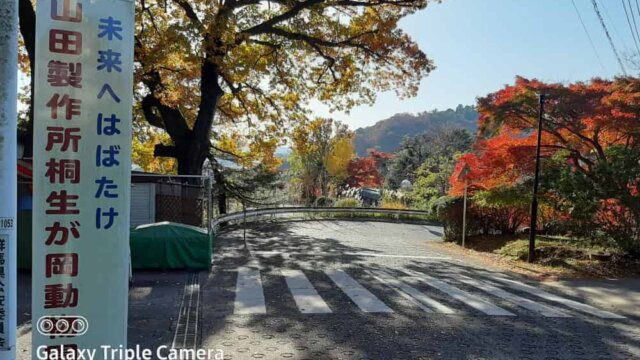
191,161
191,146
189,151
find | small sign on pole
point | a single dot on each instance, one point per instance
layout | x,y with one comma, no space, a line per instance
81,174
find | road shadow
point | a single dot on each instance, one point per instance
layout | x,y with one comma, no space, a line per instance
154,303
408,333
349,333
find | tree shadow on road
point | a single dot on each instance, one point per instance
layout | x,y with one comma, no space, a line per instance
348,332
408,333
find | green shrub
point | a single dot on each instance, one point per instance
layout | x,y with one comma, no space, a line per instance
392,204
480,219
448,210
323,201
347,202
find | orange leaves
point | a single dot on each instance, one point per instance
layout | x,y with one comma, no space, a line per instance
584,119
363,172
502,160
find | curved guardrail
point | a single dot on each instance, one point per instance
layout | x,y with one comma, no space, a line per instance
298,210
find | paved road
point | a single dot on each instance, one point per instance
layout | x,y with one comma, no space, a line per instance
374,290
367,290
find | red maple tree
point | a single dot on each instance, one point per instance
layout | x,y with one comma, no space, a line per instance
583,119
363,172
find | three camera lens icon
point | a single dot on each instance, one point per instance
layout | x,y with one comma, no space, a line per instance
67,326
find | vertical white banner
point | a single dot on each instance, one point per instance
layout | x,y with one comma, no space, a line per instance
8,176
81,174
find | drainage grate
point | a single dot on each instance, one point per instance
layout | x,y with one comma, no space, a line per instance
186,335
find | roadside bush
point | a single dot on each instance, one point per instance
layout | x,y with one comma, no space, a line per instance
448,210
323,201
392,204
603,204
480,219
620,226
347,202
556,227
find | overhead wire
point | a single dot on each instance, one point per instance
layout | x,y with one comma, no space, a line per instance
620,38
606,31
638,8
633,16
633,34
584,27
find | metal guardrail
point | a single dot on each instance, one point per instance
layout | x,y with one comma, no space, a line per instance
298,210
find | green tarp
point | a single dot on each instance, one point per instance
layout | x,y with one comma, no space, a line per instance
170,246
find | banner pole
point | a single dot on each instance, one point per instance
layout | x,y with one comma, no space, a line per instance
8,176
83,103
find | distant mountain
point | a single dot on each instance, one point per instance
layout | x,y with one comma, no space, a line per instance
386,135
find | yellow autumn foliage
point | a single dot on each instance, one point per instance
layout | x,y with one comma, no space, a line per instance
142,147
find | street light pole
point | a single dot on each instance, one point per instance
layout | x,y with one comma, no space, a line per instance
8,176
534,201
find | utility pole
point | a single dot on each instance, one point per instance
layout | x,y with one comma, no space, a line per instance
8,176
534,201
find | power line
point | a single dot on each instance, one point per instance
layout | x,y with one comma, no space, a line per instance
606,31
633,16
613,24
635,40
593,46
637,8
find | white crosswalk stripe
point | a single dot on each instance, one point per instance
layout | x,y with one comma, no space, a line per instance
485,286
551,297
250,297
249,293
304,294
362,297
412,294
460,295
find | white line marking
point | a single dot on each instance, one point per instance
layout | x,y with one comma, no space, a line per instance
462,296
410,293
365,300
551,297
249,294
520,301
304,294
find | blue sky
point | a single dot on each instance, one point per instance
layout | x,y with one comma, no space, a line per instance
481,45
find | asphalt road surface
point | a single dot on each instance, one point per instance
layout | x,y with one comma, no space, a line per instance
376,290
365,290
